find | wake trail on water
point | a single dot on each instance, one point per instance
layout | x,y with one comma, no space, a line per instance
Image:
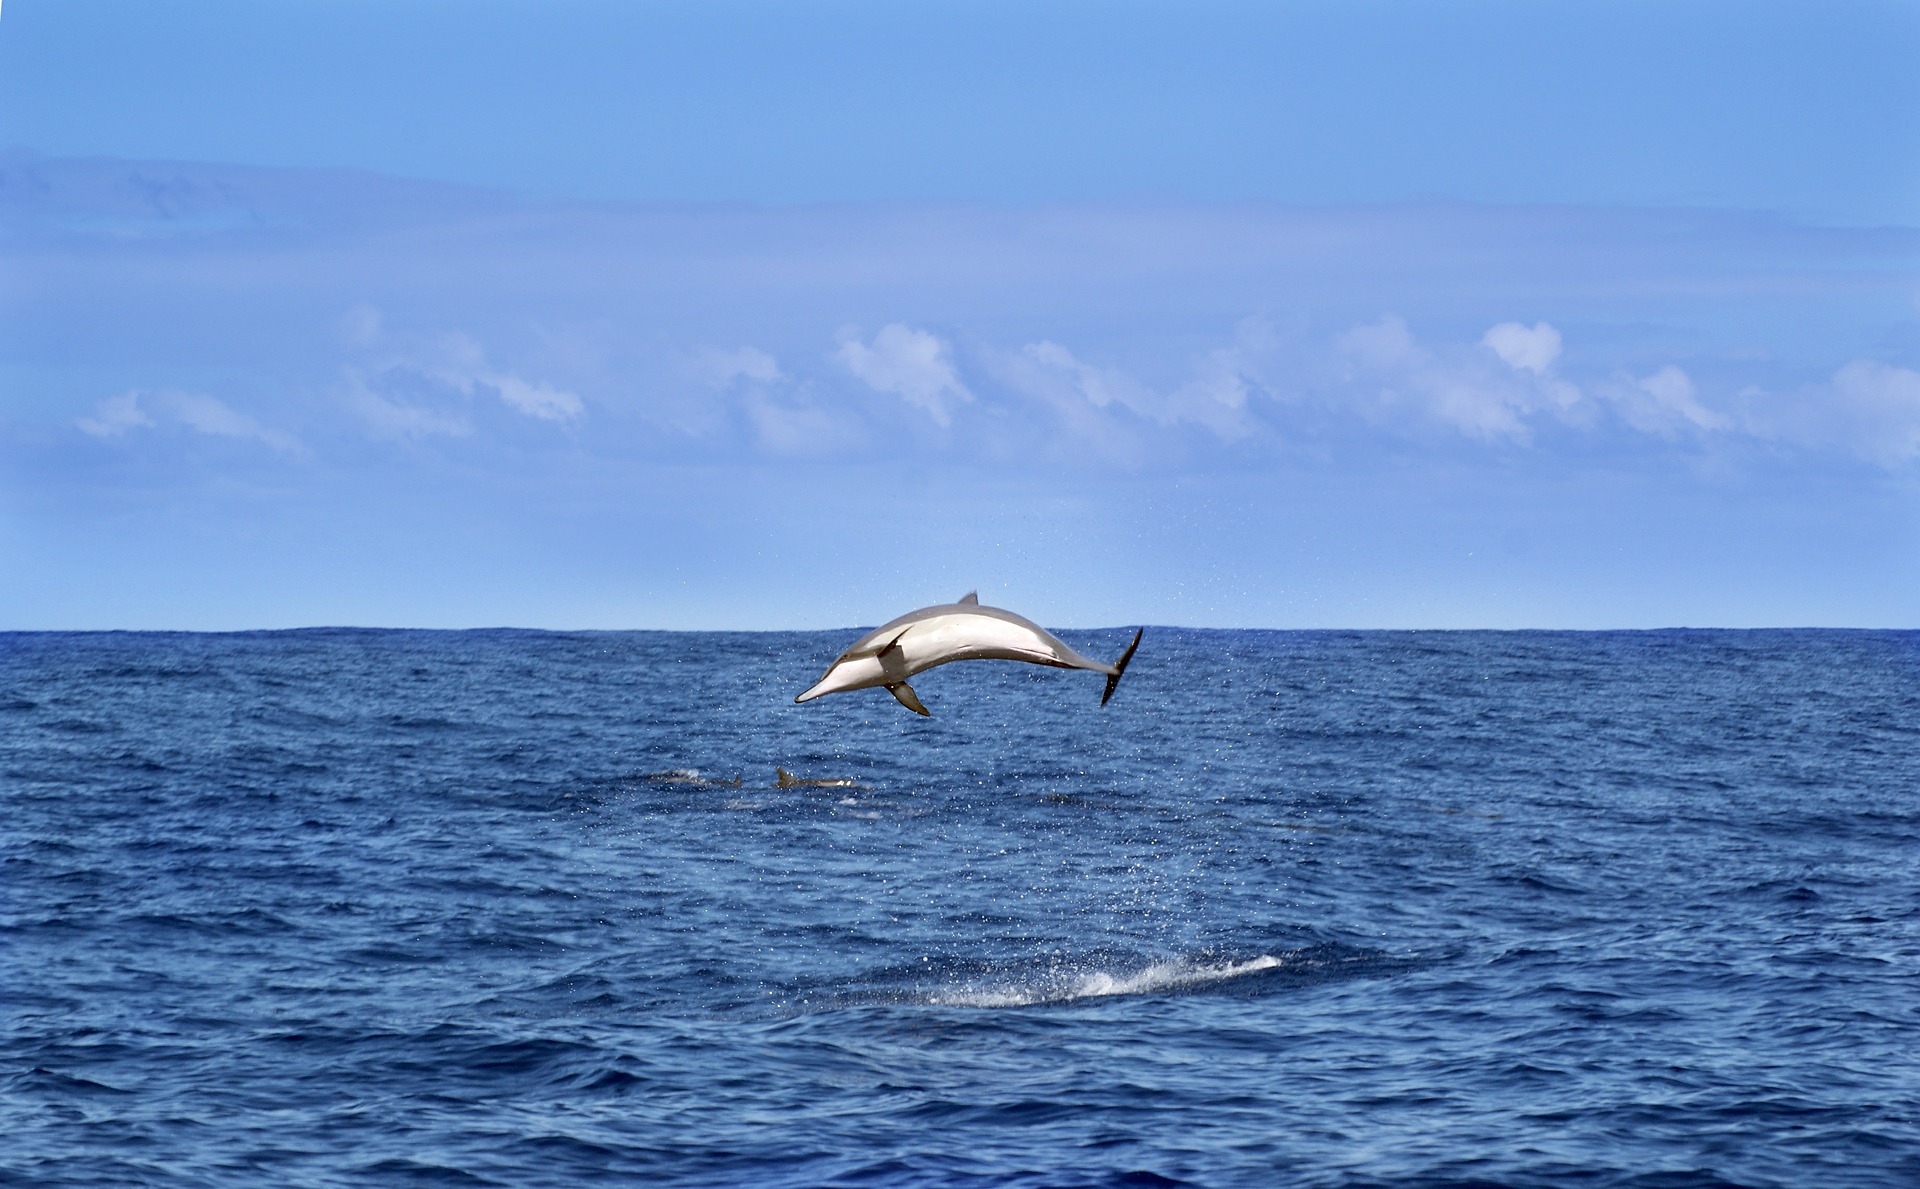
1180,974
1059,980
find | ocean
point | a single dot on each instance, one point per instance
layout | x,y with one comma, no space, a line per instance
359,907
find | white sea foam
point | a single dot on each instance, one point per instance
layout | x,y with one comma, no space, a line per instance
1177,974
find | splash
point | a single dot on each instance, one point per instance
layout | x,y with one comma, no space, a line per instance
1179,974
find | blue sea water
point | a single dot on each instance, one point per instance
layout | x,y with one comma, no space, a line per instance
344,907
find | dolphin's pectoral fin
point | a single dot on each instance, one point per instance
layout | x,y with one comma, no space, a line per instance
1120,666
903,693
970,599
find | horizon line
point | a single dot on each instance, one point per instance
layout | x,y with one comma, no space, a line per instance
736,631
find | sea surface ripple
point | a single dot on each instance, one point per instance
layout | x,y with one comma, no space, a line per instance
345,907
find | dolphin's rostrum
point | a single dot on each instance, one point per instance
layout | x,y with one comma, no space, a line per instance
962,631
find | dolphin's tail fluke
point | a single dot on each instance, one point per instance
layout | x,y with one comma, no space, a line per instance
1120,666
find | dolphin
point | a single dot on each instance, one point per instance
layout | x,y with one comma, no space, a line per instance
960,631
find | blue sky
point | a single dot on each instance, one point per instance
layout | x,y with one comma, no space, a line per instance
755,315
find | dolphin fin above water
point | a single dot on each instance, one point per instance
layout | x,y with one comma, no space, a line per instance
1120,666
962,631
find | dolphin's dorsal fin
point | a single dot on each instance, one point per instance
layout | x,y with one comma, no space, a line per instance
970,599
903,693
783,778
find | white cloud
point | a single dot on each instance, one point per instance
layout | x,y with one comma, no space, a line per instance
1478,409
1869,408
801,429
196,411
535,400
1663,403
716,368
115,416
1477,402
1531,352
1052,373
1080,397
460,362
391,419
1881,403
452,361
1523,349
209,416
1215,397
1047,369
911,364
1384,344
1461,387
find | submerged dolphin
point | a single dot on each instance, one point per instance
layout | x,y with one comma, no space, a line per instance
962,631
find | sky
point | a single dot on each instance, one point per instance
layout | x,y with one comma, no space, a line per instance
738,315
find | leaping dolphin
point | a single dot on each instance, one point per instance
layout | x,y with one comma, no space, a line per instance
962,631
